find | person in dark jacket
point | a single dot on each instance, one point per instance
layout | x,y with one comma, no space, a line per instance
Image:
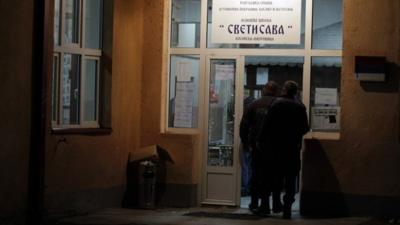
283,129
249,130
245,157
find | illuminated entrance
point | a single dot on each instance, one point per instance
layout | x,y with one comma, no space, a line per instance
211,72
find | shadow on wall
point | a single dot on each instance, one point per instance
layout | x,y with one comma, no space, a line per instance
391,85
396,71
318,174
130,198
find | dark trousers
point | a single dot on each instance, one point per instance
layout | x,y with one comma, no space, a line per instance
245,158
286,162
289,173
256,175
289,187
265,179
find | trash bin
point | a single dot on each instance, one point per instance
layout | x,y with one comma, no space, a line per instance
147,184
146,177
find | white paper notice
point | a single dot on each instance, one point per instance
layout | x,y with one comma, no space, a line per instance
326,96
183,70
256,21
184,104
325,118
224,72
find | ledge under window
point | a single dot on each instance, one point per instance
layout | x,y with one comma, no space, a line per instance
323,135
184,131
87,131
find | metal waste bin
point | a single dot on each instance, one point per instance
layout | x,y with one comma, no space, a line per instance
147,184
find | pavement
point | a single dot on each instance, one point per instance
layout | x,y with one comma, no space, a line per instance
206,216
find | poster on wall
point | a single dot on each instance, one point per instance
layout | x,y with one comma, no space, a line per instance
183,70
256,21
325,118
224,72
326,96
184,104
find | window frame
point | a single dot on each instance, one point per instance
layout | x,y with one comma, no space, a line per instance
59,51
307,52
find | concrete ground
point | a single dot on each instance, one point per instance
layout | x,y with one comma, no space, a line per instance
204,216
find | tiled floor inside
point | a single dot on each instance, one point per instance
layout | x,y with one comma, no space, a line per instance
244,206
244,202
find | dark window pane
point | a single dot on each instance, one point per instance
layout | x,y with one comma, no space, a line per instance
72,12
54,88
57,22
260,69
70,89
90,99
93,24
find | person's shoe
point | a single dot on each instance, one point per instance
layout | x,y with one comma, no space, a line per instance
253,202
287,215
253,206
263,211
287,212
277,207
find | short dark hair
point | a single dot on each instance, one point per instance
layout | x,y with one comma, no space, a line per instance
270,88
290,88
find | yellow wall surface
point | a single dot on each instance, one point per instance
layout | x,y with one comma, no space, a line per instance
365,161
181,147
98,162
370,116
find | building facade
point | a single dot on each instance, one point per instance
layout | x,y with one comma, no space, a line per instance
356,172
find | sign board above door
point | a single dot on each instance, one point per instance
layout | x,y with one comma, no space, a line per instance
256,21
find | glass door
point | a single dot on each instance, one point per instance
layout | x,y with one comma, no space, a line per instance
221,140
